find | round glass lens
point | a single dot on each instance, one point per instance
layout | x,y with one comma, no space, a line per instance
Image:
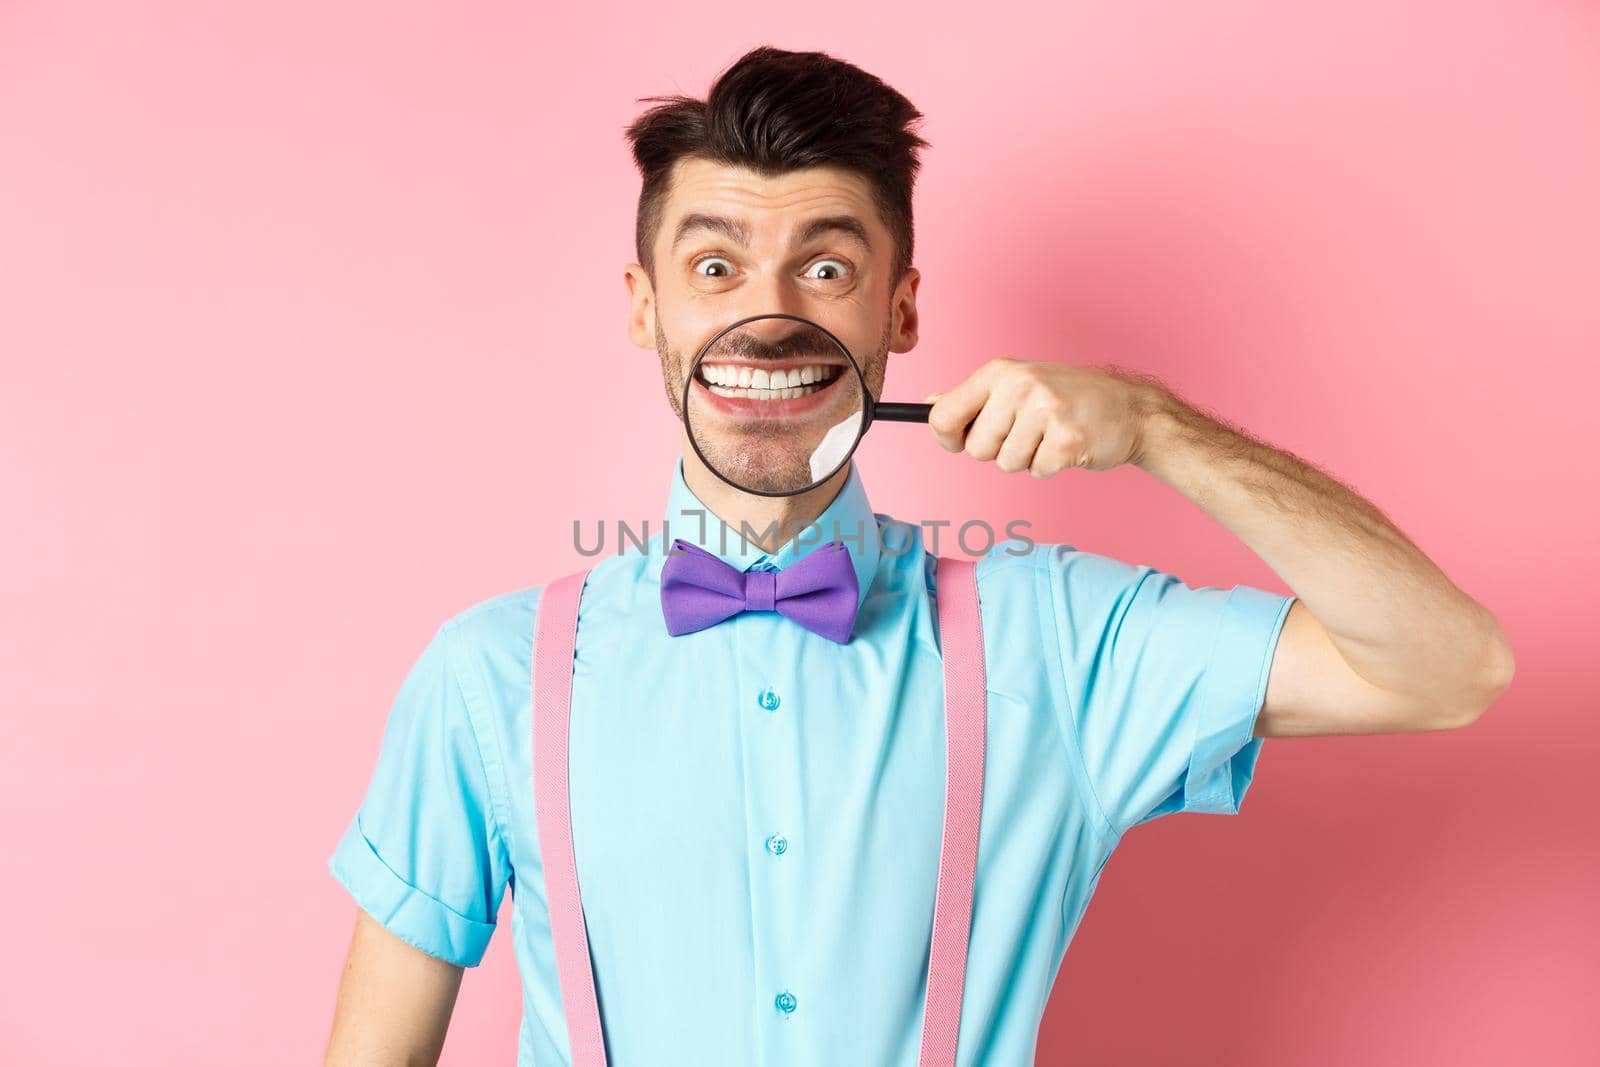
774,405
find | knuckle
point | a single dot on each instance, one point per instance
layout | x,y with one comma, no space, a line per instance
1044,404
1057,459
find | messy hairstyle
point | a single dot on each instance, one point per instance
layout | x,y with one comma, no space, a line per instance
775,111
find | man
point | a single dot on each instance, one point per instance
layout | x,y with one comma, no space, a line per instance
756,808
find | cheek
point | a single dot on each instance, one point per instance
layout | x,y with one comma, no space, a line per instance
691,325
679,336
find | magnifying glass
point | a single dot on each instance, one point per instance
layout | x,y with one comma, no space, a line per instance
777,418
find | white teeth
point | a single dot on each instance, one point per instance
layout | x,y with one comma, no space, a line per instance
759,383
731,372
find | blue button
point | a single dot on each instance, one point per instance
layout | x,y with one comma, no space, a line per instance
768,700
785,1002
777,844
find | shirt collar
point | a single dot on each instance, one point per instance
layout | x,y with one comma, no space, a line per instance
848,517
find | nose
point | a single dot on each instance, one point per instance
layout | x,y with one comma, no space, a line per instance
769,293
771,330
766,335
762,296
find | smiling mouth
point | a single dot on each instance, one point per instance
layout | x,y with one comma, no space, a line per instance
750,381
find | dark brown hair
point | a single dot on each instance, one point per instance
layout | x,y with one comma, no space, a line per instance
775,111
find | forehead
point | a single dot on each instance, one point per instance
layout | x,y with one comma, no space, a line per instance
771,205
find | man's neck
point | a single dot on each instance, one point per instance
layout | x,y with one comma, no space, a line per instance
769,522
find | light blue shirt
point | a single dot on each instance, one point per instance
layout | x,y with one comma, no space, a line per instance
756,809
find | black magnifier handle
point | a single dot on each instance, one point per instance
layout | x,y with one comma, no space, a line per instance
904,413
901,412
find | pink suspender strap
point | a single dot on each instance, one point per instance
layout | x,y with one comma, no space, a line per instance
554,642
961,640
965,709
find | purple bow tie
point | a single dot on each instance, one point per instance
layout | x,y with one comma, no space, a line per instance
819,592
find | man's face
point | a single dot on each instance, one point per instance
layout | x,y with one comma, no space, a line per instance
733,244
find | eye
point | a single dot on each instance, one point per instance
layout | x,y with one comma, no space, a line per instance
725,268
838,267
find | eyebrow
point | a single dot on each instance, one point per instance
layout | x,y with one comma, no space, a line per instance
736,231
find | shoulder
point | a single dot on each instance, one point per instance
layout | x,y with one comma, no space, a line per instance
1051,586
500,628
490,620
1069,573
1010,567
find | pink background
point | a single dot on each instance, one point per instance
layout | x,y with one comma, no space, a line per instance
302,311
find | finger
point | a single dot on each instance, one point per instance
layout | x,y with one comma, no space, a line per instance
954,410
1056,453
1021,444
989,430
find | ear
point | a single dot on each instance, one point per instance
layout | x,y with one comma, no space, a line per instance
641,306
903,330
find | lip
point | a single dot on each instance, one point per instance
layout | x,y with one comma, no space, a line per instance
737,407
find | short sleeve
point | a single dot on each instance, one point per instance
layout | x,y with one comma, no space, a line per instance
423,854
1162,683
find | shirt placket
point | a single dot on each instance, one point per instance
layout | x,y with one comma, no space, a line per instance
774,842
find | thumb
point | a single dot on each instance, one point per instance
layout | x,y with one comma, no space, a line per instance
931,397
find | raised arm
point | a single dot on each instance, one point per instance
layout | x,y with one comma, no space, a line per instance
1379,640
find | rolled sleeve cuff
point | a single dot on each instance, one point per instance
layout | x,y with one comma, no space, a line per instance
1223,760
406,911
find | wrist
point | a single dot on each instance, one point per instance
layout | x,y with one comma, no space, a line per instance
1158,421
